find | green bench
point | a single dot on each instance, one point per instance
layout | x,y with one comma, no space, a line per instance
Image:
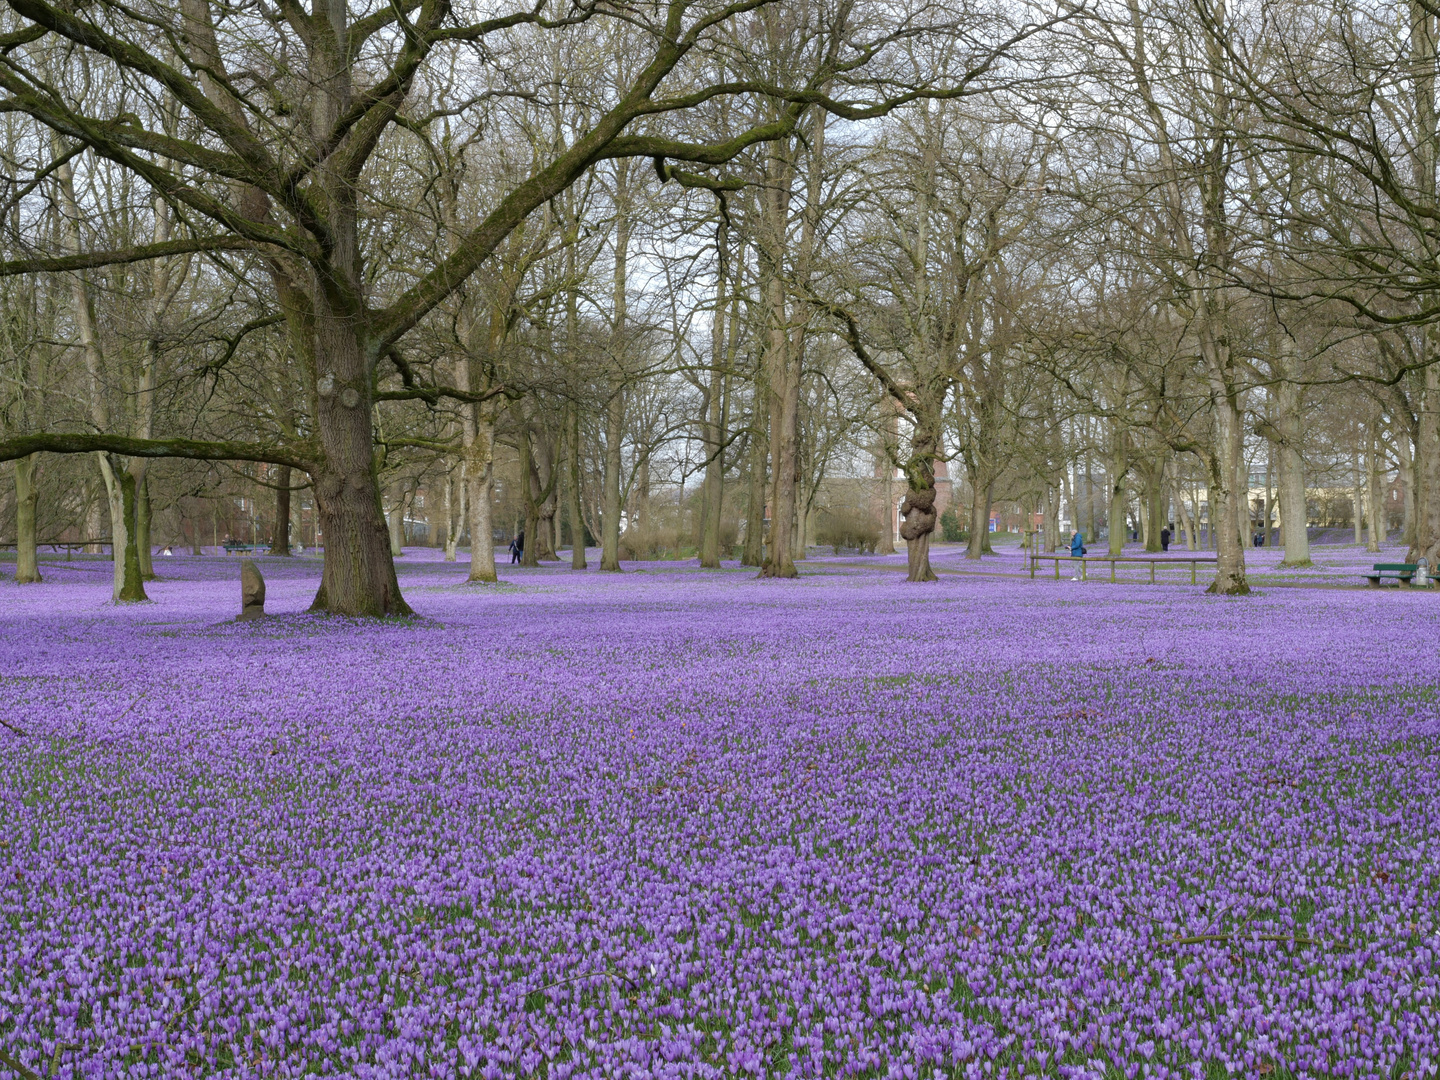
249,549
1402,572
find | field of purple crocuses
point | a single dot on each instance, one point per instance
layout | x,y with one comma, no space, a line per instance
679,823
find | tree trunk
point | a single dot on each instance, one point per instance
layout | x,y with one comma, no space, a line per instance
979,543
784,438
615,410
753,553
919,505
479,477
712,491
27,563
782,371
1426,469
280,536
1406,470
1357,493
132,589
1186,521
1154,506
142,522
1376,496
395,520
712,495
614,462
1225,501
577,516
1119,495
530,557
545,483
454,516
359,570
1294,514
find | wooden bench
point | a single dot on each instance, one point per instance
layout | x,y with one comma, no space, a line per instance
1402,572
1155,560
248,549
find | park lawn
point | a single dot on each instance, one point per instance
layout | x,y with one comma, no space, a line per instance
682,824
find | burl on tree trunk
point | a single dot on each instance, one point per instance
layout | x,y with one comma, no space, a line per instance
918,510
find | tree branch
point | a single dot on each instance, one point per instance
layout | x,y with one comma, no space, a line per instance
298,455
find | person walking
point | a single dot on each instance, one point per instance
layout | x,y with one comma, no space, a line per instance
1077,549
514,550
1165,538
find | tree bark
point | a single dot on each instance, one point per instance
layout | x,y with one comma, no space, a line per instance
615,407
753,552
142,526
280,535
1225,502
132,589
576,513
1154,505
918,509
1119,496
1374,487
782,371
981,495
479,478
614,462
1357,493
454,516
27,564
713,423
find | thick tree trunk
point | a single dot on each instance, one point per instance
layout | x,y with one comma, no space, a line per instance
142,523
359,574
132,589
1154,506
1426,468
27,563
126,584
1294,514
1119,496
980,503
1225,502
280,535
919,513
545,484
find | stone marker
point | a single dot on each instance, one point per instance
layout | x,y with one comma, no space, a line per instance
252,591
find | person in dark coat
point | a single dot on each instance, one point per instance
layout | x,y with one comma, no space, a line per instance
1077,545
1165,538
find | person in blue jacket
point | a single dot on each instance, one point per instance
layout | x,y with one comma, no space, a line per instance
1077,545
